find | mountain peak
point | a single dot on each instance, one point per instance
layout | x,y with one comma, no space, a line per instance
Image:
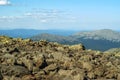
106,30
106,34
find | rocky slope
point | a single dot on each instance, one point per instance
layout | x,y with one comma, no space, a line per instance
27,60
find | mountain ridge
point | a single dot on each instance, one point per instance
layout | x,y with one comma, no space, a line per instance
26,33
101,39
107,34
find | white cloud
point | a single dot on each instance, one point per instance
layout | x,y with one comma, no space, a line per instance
50,16
28,14
38,19
4,2
43,21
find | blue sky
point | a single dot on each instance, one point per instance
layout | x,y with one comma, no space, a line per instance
60,14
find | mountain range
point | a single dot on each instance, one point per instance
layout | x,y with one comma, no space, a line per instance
97,40
26,33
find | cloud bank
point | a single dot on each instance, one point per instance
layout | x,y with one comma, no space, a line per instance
38,19
42,16
4,2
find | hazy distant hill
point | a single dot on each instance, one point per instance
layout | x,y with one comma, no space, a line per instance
25,33
105,34
53,38
113,50
98,40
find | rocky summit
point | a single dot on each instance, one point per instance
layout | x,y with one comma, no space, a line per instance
24,59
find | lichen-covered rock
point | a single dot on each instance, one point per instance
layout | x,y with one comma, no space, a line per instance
88,66
39,61
91,75
14,70
75,74
11,78
28,64
51,67
5,39
28,77
77,47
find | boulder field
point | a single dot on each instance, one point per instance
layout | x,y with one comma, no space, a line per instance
24,59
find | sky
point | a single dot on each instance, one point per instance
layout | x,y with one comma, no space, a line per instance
60,14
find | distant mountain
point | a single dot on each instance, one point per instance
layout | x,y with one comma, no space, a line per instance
104,34
97,40
53,38
113,50
25,33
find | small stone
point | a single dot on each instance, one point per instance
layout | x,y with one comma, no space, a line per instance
28,64
79,77
87,65
40,61
91,75
77,47
28,77
51,67
39,74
